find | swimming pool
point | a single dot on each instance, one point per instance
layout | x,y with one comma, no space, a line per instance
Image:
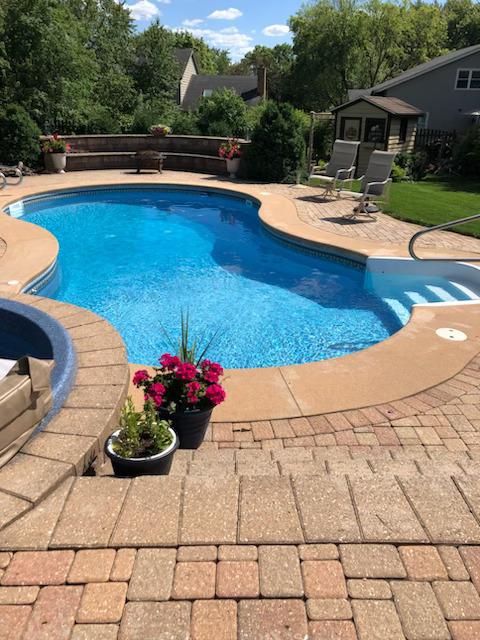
139,256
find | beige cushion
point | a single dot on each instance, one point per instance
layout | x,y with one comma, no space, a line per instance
25,398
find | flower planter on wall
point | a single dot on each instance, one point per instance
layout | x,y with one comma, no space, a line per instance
55,162
233,166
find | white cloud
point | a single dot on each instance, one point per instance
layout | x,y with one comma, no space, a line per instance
226,14
237,43
276,30
192,23
143,10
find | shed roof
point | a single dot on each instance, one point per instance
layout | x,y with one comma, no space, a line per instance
394,106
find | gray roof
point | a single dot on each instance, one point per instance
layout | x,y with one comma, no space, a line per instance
394,106
426,67
245,86
353,94
183,56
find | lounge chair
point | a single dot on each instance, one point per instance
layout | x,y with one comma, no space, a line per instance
25,399
17,172
375,184
340,169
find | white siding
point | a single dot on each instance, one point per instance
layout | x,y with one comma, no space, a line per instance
190,70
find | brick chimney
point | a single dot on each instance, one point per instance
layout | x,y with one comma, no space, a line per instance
262,82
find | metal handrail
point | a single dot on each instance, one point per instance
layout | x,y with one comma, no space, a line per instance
445,225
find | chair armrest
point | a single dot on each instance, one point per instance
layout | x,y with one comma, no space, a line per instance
375,184
3,181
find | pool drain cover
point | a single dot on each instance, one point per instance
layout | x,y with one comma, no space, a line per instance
451,334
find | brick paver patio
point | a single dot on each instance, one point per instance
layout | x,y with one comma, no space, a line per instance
355,525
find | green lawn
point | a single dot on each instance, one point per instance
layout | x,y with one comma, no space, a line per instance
434,201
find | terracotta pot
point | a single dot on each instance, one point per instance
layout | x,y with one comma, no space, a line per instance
233,166
55,162
158,465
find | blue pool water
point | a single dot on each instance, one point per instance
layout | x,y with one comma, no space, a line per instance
139,257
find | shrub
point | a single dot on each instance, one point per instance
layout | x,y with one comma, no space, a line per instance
186,123
398,173
19,137
142,434
223,114
466,155
151,111
418,166
99,119
277,150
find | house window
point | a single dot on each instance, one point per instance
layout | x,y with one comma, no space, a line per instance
375,130
402,134
422,122
207,93
467,79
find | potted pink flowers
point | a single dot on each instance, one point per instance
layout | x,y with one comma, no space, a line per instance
55,151
231,151
184,389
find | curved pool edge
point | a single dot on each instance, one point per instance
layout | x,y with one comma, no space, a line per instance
408,362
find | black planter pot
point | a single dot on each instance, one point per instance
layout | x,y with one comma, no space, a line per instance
190,426
158,465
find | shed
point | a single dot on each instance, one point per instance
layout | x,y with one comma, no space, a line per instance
378,122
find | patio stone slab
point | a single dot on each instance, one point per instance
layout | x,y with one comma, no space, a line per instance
102,603
371,561
326,509
267,511
152,576
38,568
279,619
329,609
78,451
94,397
13,620
82,422
280,574
419,611
237,579
117,355
11,508
18,595
142,522
363,589
209,511
324,579
143,620
53,615
442,510
123,565
332,630
90,513
423,563
91,565
34,529
95,632
214,619
194,581
377,620
110,374
30,477
458,600
384,513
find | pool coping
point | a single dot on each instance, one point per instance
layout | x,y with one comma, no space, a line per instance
377,375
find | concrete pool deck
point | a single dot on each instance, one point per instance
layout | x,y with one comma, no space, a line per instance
353,522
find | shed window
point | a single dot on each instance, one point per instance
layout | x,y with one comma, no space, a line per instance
468,79
375,130
402,134
207,93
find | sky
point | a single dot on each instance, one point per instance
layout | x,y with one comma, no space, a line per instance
236,26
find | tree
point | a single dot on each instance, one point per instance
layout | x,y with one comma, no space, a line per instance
463,23
155,70
278,62
277,149
223,114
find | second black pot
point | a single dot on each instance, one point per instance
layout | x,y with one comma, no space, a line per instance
190,426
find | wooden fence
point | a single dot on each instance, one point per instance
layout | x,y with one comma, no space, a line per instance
436,140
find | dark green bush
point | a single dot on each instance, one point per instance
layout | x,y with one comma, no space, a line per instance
466,153
398,173
152,111
19,137
277,150
186,123
223,114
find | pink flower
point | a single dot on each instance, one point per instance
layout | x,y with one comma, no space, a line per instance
215,393
211,376
169,362
158,401
157,388
186,371
139,377
193,387
211,371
